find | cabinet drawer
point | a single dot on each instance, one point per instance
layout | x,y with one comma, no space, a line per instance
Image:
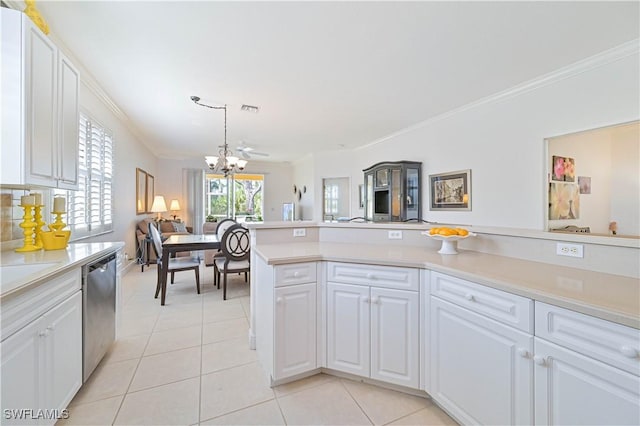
373,275
611,343
296,273
507,308
31,304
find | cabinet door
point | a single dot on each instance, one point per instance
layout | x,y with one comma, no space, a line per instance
41,107
481,370
63,356
21,368
348,341
68,127
295,330
395,350
575,389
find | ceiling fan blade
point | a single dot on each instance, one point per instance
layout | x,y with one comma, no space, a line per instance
264,154
245,155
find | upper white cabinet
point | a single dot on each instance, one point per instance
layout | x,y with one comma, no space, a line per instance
40,88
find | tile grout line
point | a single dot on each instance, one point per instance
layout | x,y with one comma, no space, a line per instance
201,361
356,401
132,377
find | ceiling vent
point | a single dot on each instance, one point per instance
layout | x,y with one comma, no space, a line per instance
249,108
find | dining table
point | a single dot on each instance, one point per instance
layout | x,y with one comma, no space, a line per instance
178,243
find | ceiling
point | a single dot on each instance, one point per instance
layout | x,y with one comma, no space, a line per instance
326,75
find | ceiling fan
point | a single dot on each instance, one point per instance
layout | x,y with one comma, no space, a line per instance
248,151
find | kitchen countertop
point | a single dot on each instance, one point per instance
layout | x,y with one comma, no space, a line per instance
611,297
20,272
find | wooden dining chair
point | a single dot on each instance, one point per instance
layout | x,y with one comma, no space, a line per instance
235,247
223,225
176,264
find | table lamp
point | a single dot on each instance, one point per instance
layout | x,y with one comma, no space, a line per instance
174,207
159,206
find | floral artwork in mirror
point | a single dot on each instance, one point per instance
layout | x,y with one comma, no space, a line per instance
141,191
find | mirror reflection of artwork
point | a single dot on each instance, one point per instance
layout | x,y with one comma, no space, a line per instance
563,169
564,201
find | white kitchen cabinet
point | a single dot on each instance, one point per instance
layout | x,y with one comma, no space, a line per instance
372,331
286,318
39,108
41,364
586,369
348,328
571,388
395,350
295,330
481,370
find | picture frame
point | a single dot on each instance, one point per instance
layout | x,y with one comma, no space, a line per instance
450,191
141,191
150,192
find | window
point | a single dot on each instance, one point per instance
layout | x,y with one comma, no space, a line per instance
331,198
237,196
89,209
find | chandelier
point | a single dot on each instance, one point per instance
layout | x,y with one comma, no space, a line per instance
225,162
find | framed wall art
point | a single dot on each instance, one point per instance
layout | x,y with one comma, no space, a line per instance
451,191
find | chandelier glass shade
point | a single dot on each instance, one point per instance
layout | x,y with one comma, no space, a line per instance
225,162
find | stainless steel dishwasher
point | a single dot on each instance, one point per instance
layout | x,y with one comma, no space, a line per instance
98,311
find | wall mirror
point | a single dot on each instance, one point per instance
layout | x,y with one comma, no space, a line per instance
335,198
141,191
593,181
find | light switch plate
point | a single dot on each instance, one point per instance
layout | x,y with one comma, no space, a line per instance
299,232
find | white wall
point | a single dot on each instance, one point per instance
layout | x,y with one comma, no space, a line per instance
502,142
303,172
129,153
277,183
625,180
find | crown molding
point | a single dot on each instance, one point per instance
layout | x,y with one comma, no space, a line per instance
617,53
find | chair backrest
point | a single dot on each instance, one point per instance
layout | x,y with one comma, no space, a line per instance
235,244
223,225
156,239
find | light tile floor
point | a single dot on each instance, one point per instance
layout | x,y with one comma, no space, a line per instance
188,363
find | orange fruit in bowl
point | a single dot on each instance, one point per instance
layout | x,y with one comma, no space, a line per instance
462,232
433,231
447,232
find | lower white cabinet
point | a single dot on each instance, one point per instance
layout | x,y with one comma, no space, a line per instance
374,332
41,363
481,370
295,330
571,388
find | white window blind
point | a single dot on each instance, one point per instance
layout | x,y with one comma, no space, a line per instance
89,209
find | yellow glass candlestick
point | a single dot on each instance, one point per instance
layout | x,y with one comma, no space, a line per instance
58,224
28,225
39,224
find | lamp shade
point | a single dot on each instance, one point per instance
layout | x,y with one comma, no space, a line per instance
175,205
159,205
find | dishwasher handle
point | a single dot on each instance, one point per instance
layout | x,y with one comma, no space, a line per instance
100,263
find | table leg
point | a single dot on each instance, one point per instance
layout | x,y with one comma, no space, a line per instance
165,268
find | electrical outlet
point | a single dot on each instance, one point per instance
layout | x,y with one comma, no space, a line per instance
395,235
572,250
299,232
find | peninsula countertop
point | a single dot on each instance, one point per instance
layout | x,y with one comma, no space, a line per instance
20,272
611,297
